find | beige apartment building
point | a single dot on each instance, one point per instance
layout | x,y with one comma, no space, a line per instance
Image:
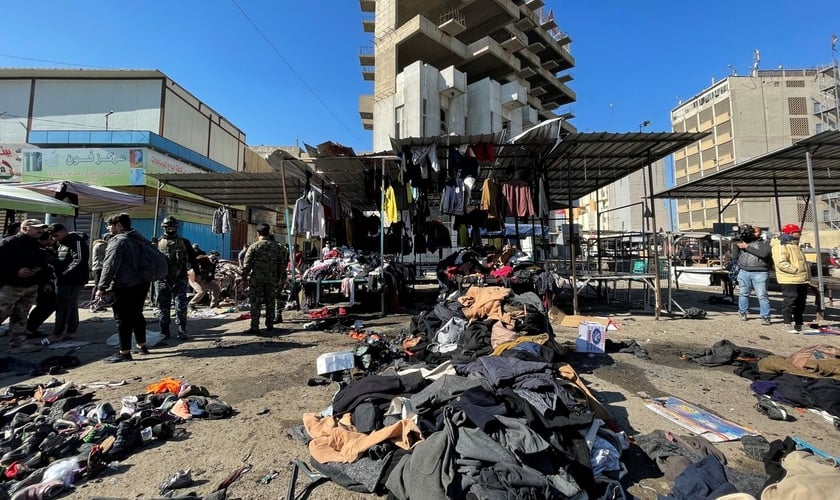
443,67
748,116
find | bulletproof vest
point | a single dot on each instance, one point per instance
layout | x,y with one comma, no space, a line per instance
176,253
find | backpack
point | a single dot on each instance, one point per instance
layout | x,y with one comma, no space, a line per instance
216,409
153,264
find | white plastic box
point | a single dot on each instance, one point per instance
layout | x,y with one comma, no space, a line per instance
592,338
334,362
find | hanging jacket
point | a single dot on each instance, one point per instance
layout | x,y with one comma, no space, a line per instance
390,206
308,216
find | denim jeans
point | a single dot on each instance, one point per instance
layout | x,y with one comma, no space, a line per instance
749,281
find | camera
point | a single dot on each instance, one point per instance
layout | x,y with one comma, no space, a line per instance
744,232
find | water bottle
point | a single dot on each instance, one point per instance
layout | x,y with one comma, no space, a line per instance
146,434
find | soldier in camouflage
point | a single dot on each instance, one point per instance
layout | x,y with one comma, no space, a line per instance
262,265
180,254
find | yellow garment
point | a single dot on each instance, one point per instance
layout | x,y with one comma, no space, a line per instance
334,442
540,339
568,373
390,207
790,263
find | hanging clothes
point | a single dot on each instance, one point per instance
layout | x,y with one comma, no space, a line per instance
453,201
542,200
221,221
518,202
308,216
485,151
430,152
491,199
390,206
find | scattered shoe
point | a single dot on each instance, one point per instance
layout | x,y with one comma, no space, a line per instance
742,316
770,408
119,358
755,447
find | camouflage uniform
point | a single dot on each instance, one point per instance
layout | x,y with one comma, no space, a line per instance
262,265
179,252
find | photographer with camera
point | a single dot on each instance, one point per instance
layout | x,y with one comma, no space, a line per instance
752,253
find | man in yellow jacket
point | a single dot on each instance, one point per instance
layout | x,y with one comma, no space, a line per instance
793,274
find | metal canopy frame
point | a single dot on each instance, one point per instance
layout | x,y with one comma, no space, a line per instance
802,169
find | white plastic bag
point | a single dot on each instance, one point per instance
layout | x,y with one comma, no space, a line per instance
152,339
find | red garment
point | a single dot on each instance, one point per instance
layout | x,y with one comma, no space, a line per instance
502,272
485,151
518,202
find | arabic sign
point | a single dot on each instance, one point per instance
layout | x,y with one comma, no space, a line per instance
100,166
10,155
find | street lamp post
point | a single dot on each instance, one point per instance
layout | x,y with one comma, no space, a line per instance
108,114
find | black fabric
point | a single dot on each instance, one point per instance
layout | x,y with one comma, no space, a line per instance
480,406
375,388
365,475
627,346
724,352
773,460
367,418
476,336
821,393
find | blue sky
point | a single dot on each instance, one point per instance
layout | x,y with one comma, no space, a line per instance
635,60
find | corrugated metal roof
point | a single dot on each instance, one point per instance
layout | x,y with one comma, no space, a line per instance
779,173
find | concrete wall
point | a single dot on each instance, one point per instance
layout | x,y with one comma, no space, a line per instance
14,103
83,104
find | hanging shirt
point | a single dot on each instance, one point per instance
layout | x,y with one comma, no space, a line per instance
221,221
491,198
390,206
542,200
517,195
308,216
453,201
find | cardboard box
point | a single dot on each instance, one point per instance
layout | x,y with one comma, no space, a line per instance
592,338
334,362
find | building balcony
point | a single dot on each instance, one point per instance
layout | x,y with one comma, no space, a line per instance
367,5
534,4
366,107
367,57
369,23
452,22
479,17
454,82
513,95
369,73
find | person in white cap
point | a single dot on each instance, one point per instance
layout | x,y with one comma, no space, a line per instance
22,265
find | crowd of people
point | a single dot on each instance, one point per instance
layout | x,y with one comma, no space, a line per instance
45,267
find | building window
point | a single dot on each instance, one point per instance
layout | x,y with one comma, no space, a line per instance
797,106
819,128
817,107
443,121
398,121
506,125
795,83
799,127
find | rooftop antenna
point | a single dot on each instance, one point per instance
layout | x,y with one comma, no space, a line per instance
732,70
756,61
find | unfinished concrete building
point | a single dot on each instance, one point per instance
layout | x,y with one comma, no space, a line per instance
462,67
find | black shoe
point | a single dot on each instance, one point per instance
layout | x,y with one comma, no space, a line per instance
182,334
140,350
254,330
269,327
119,358
164,330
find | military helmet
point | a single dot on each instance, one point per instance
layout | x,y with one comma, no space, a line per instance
169,221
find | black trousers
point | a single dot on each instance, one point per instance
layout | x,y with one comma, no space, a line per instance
128,314
793,303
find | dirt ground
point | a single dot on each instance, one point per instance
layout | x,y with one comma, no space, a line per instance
265,379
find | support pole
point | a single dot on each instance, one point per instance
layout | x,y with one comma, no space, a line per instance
157,208
572,258
289,237
820,279
656,285
382,239
776,200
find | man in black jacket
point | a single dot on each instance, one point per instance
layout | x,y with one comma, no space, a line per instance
73,272
21,263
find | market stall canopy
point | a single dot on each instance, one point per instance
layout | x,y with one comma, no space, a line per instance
245,188
778,173
91,199
577,164
18,198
